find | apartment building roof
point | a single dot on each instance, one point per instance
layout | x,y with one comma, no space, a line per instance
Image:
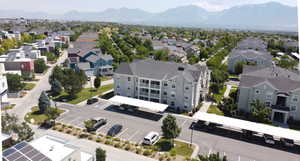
281,79
250,54
160,70
252,43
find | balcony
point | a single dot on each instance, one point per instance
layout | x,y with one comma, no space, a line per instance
154,95
280,107
144,94
144,85
155,86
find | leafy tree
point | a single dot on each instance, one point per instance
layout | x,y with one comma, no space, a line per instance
24,132
57,74
148,44
170,128
212,157
215,87
259,112
238,68
8,122
97,82
89,124
228,106
56,87
52,113
219,76
44,102
14,82
39,66
100,154
287,63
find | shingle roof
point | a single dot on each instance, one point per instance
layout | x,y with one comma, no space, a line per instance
84,65
252,43
149,68
250,54
282,79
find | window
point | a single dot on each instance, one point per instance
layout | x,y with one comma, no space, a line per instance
165,93
173,95
186,88
173,86
129,79
293,108
128,88
165,101
268,104
186,98
118,86
165,84
185,106
172,103
295,99
257,91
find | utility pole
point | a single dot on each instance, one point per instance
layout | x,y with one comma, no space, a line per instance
192,128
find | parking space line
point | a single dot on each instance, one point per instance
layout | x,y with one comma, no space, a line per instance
119,135
239,159
133,135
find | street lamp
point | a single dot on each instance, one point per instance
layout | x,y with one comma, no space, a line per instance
192,128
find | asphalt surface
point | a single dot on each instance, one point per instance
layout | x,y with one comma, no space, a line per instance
136,125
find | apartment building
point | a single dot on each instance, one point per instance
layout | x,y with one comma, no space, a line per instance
3,87
181,86
278,88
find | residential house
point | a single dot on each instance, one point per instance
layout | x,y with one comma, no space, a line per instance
46,148
181,86
278,88
192,50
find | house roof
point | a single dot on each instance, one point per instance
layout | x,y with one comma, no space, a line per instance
73,50
160,70
282,79
83,65
252,43
250,54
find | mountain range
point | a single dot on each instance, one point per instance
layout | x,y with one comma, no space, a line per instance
267,16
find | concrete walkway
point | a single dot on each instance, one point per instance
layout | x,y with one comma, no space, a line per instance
205,106
227,92
113,154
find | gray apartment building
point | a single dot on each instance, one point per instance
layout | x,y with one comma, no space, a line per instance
278,88
181,86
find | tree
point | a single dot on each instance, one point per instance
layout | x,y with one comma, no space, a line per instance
57,74
228,106
56,87
100,154
14,82
212,157
97,82
39,66
170,128
52,114
24,132
88,124
8,122
238,68
216,87
259,112
44,102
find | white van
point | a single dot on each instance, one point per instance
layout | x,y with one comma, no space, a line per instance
151,138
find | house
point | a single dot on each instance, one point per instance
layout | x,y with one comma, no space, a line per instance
46,148
92,61
181,86
3,87
192,50
278,88
257,57
252,43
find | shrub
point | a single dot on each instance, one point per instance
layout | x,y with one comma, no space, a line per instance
161,158
117,145
173,153
100,135
98,140
147,152
168,159
54,128
61,129
108,137
128,147
108,142
83,135
68,131
138,151
90,137
116,139
127,142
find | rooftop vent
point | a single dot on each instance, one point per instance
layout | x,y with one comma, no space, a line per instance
51,148
180,68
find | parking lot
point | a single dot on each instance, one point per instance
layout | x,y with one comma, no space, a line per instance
136,125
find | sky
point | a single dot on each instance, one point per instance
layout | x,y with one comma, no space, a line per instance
61,6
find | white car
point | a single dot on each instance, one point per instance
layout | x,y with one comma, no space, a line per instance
269,139
151,138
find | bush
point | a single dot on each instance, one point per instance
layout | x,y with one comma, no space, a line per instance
107,142
138,151
83,135
117,145
147,152
61,129
54,128
116,139
173,153
68,131
98,140
128,147
90,137
161,158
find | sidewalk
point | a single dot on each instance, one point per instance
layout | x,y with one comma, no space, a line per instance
227,92
113,154
205,106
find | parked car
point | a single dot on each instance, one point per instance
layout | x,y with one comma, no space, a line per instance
269,139
113,131
151,138
198,125
92,101
98,122
287,142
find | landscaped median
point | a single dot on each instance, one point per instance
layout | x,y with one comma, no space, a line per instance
161,150
36,118
215,110
84,94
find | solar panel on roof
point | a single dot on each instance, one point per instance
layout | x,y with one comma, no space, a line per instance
8,151
23,158
14,156
21,145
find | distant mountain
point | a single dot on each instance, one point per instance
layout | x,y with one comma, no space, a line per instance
268,16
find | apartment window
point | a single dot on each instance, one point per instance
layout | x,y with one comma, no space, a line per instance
172,103
118,93
173,86
268,104
185,106
165,84
295,99
165,101
128,88
165,93
118,86
136,88
186,88
257,91
173,95
186,98
293,108
129,79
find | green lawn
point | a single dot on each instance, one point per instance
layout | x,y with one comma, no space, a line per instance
233,76
180,148
105,79
28,86
38,118
85,94
215,110
9,107
218,97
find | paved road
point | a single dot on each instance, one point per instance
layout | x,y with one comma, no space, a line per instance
113,154
137,125
23,105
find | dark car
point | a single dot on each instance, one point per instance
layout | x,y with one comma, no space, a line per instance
113,131
197,125
98,122
287,142
92,101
